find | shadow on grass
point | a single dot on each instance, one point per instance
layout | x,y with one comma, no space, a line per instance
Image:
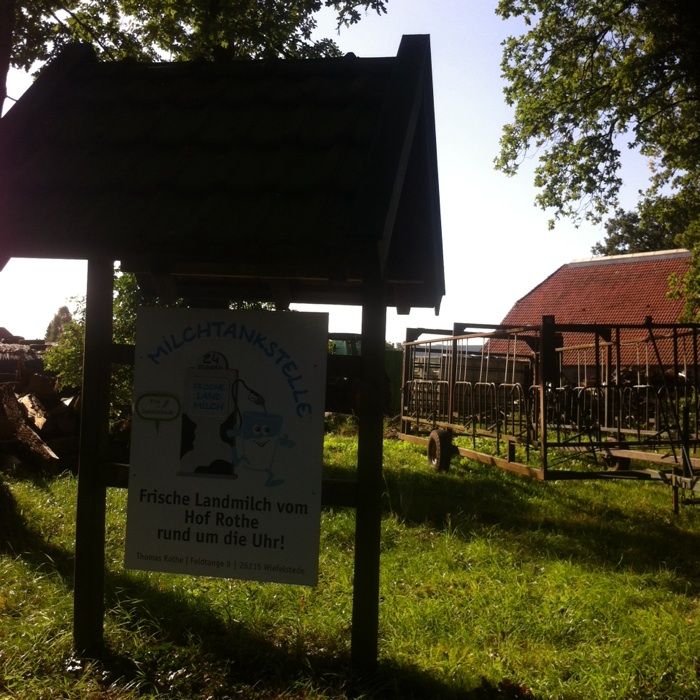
201,655
549,519
444,500
183,649
19,539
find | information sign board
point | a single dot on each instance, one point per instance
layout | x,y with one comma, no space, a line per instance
227,444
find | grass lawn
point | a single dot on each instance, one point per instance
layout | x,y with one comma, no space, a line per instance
492,587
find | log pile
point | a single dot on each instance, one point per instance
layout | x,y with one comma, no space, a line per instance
38,429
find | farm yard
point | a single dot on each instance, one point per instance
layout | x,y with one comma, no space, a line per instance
228,162
492,586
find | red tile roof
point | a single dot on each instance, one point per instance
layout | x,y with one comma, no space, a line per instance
616,289
620,289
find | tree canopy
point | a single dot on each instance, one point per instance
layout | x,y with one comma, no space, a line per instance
65,358
586,76
59,320
33,31
657,223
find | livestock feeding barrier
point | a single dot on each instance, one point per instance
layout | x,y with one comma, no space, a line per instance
559,401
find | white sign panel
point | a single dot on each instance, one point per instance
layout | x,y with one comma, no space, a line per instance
227,444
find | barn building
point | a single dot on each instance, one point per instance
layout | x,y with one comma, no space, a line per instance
614,291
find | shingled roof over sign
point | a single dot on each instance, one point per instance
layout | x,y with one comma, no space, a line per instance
617,289
258,179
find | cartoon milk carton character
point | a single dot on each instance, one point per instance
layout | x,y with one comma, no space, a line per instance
210,395
260,436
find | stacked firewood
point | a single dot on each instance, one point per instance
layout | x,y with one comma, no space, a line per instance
38,429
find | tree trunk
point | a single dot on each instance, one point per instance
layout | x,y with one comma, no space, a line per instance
17,438
35,410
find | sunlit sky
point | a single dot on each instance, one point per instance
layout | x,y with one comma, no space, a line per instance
496,242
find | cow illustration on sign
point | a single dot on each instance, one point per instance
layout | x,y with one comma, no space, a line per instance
218,435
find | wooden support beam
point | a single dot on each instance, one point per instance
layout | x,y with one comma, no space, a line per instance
666,460
506,465
365,608
88,594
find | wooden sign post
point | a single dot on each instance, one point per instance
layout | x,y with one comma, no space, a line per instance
96,473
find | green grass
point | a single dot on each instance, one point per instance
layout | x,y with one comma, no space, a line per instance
491,586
